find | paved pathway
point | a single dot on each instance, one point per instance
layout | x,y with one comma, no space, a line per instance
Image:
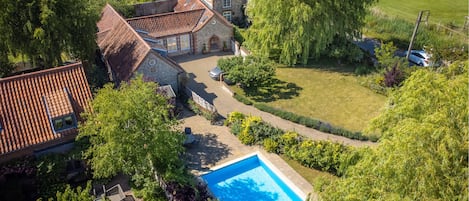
197,67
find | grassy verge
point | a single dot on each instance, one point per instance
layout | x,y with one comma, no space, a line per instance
308,173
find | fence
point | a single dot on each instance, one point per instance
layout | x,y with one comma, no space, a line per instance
199,100
238,49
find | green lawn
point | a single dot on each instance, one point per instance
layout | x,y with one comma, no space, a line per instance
441,11
309,174
324,94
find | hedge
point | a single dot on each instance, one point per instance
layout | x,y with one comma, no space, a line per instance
327,156
314,123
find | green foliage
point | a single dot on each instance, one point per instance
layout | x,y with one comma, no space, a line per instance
238,34
385,55
234,117
322,155
271,145
43,30
5,66
375,82
423,150
250,72
211,116
50,175
77,194
242,99
130,131
344,49
292,30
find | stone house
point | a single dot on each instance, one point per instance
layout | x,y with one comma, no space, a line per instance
41,110
232,10
126,53
189,27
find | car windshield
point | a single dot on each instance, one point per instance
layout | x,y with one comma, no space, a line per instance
216,70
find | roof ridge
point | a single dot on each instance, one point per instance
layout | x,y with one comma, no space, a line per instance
163,14
41,72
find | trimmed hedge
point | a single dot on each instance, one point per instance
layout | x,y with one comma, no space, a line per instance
314,123
242,99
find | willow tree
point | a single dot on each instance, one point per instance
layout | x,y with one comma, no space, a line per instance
44,30
422,153
295,30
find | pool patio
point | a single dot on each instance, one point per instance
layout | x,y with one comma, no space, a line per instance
216,145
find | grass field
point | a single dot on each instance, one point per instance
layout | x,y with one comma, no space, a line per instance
334,97
309,174
441,11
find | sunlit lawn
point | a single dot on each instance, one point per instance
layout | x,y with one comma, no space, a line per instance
330,96
442,12
309,174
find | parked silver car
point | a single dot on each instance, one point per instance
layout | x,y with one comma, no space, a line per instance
420,57
215,73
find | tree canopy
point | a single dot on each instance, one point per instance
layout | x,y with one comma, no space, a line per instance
130,131
43,30
299,29
249,72
422,153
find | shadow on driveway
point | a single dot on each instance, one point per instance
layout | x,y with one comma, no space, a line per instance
207,152
200,88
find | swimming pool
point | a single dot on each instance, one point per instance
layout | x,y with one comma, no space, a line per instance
250,179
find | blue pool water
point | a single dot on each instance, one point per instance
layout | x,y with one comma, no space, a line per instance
248,179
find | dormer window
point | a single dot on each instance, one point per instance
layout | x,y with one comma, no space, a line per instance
60,111
64,122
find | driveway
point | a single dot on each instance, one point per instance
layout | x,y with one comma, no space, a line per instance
197,67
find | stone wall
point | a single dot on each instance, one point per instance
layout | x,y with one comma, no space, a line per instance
155,7
236,8
213,28
158,70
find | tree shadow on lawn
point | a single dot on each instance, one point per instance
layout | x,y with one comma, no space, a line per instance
273,90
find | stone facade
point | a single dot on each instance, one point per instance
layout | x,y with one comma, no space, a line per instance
212,30
157,70
236,8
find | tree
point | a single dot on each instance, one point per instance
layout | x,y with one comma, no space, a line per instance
77,194
422,154
43,30
130,131
296,30
249,72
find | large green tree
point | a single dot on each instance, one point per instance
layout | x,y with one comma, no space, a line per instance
423,151
250,71
45,29
296,30
131,131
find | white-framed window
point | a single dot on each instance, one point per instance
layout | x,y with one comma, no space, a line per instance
227,15
226,3
171,44
185,42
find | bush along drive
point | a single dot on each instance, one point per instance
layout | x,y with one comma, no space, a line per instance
327,156
313,123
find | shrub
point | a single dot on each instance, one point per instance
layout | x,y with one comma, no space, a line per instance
393,77
211,116
271,145
236,128
242,99
234,117
262,130
246,138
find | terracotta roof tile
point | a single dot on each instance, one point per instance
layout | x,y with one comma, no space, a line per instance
123,48
161,25
23,114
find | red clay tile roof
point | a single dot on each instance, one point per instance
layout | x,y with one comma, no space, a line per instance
122,47
188,16
167,24
23,116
